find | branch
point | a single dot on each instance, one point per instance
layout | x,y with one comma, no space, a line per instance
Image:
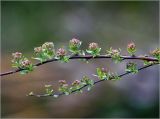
96,82
87,57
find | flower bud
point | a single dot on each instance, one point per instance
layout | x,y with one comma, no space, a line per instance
115,52
38,49
17,55
156,52
76,82
75,42
47,86
104,70
25,63
85,79
131,46
61,52
93,46
48,45
62,82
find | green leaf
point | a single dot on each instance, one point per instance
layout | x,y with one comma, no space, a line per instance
101,75
131,51
114,76
74,48
115,54
147,62
131,67
65,89
66,93
49,90
95,52
89,51
83,53
64,59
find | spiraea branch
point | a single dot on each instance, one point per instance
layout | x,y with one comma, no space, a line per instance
47,53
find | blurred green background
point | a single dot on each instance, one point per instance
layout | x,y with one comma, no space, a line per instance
28,24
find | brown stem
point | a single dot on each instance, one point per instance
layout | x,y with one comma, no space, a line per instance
85,57
98,81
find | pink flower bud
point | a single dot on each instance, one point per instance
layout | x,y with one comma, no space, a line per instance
38,49
74,42
76,82
17,55
61,52
62,82
104,70
93,46
155,52
48,45
26,63
65,85
115,52
131,46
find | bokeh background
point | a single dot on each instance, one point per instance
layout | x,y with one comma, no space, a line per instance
27,24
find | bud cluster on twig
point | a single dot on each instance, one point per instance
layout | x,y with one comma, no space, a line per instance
47,53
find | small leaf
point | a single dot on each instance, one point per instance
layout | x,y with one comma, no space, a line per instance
147,62
31,93
89,51
83,53
131,67
66,93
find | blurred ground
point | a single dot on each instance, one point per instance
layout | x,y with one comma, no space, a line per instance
26,25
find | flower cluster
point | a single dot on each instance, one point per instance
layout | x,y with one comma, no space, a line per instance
48,46
131,48
21,62
74,46
61,55
93,49
64,87
61,52
75,85
17,55
115,54
44,52
25,63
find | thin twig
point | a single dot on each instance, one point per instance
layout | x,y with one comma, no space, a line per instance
85,57
98,81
